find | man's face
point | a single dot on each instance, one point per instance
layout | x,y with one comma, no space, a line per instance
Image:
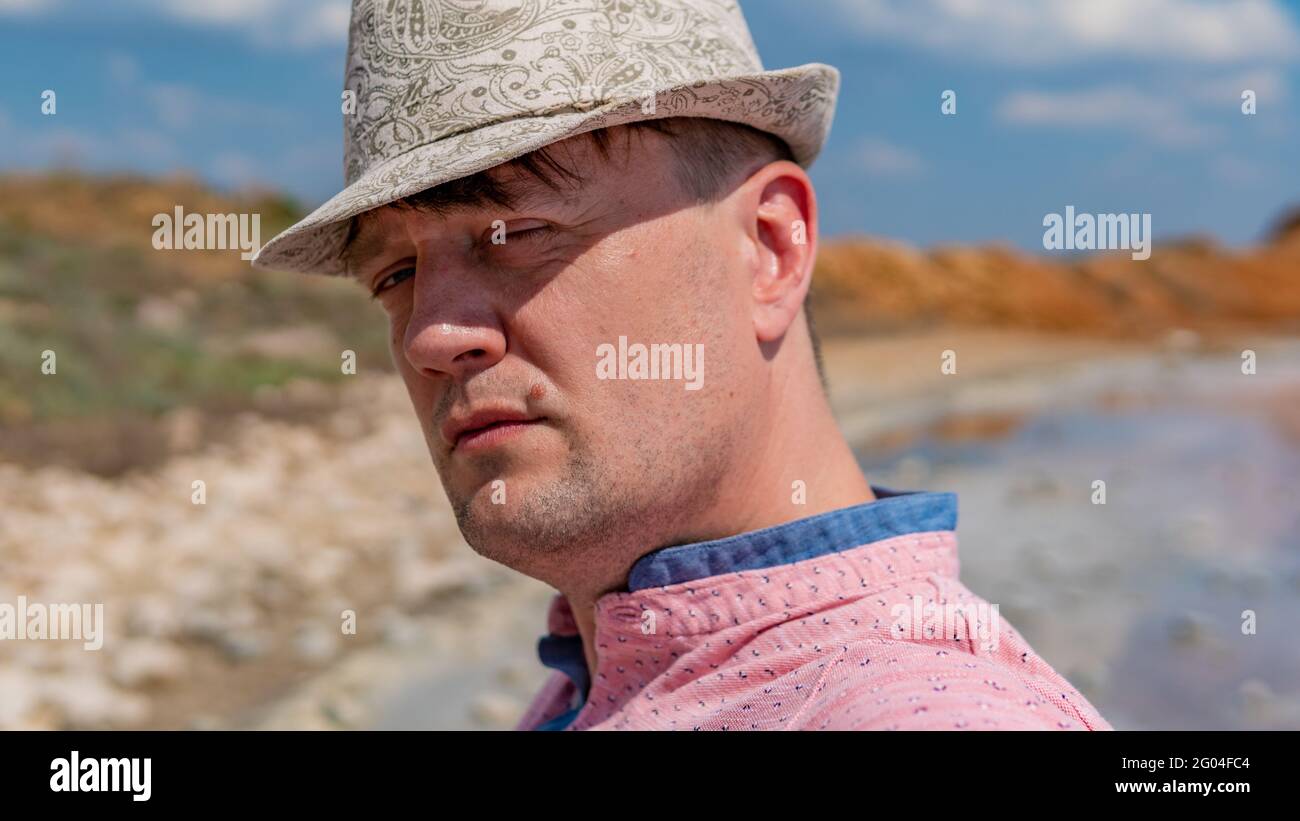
498,346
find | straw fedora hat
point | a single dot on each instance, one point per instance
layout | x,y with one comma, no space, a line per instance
436,90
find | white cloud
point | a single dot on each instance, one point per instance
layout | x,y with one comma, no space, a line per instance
1120,107
155,145
1042,32
1267,84
24,6
881,158
277,23
235,170
70,148
1234,170
222,12
123,69
272,23
178,107
1177,111
326,24
173,104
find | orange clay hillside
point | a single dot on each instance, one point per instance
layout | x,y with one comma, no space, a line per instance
877,285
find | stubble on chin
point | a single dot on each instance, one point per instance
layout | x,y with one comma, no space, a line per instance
584,520
567,513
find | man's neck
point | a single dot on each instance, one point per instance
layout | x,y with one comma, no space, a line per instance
805,472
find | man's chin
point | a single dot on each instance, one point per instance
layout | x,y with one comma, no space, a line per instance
500,504
523,515
499,530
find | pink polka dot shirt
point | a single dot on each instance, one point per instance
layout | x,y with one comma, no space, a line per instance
850,620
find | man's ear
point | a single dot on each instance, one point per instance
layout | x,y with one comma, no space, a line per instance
779,213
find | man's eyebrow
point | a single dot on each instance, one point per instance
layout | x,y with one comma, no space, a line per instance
364,245
520,192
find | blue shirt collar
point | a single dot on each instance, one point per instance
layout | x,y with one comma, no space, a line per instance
893,513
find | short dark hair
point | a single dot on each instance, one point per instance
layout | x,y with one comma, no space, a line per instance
712,155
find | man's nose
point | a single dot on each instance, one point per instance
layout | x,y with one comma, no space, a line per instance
454,329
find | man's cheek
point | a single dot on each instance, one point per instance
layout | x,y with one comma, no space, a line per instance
397,337
397,332
422,394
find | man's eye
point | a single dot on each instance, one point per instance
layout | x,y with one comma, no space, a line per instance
391,280
527,233
530,233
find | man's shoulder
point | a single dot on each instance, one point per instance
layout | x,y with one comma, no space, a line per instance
906,685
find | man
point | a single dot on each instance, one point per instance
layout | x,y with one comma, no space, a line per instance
591,228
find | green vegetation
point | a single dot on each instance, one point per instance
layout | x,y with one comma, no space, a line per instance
138,331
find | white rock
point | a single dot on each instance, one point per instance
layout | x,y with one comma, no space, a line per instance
144,662
18,697
419,580
316,643
85,702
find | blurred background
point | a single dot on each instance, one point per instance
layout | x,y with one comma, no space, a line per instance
1071,367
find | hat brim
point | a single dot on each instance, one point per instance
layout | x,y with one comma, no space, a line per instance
796,104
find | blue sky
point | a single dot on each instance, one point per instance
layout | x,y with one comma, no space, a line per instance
1107,105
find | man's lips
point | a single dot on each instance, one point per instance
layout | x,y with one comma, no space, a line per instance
485,428
493,434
